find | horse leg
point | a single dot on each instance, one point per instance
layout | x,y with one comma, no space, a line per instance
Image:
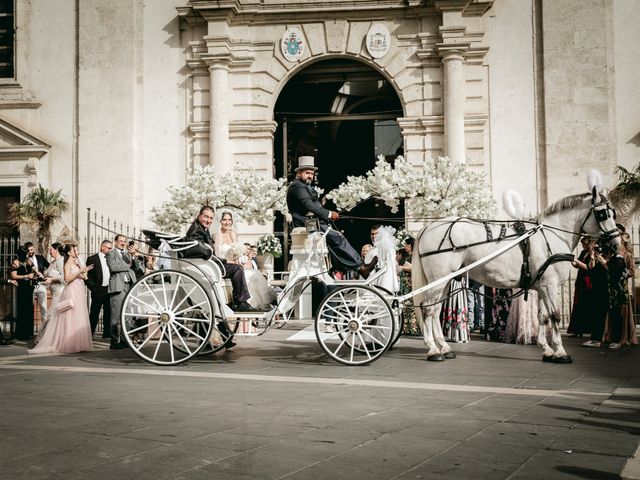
438,335
548,296
424,315
543,320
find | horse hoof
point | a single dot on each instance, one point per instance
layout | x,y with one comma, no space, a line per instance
450,354
435,358
548,359
564,359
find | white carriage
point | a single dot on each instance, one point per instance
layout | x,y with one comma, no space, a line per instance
171,315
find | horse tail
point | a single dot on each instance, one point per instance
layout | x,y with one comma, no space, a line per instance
418,276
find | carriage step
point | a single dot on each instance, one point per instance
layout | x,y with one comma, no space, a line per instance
254,315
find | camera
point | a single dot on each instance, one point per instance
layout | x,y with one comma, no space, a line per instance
132,243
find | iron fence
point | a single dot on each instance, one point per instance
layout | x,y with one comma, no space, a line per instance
8,251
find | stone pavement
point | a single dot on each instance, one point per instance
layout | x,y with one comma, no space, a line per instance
277,408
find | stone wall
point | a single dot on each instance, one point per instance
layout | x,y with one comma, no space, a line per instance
579,67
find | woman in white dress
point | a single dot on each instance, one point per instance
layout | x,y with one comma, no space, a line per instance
226,246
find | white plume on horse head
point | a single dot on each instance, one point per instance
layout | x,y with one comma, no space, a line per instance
594,179
513,204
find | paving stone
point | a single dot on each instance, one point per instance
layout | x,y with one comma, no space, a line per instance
561,465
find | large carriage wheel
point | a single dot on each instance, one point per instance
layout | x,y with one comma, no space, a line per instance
167,317
354,325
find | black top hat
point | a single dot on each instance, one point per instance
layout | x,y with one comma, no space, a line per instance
306,163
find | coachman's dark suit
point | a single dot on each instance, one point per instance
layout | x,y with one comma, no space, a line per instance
99,296
233,272
301,198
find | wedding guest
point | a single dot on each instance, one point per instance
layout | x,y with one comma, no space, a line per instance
522,324
599,294
364,251
98,284
54,279
454,316
475,305
123,264
500,306
39,264
3,282
580,313
620,326
22,273
409,322
628,335
69,330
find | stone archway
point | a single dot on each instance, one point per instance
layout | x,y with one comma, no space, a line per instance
344,113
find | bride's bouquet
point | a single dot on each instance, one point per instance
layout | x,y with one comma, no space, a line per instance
268,244
236,251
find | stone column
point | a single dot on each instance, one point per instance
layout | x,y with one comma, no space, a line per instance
219,151
454,100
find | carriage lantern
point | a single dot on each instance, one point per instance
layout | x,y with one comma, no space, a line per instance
311,223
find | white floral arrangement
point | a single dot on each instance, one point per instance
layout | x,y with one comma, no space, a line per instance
437,188
236,250
268,244
401,236
248,194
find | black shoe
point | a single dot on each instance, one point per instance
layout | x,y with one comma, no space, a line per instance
116,346
365,268
229,344
244,307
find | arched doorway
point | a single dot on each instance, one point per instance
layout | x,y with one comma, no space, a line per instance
344,113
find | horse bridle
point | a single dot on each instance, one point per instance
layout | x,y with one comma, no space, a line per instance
601,211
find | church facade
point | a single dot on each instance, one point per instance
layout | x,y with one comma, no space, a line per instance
113,101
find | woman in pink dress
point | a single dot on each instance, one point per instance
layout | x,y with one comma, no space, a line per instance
69,331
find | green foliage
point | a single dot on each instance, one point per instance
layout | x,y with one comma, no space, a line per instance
626,194
40,209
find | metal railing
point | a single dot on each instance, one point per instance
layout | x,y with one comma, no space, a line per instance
8,251
101,228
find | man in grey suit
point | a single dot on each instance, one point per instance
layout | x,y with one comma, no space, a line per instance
123,265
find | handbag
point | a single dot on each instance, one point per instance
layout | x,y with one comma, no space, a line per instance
65,305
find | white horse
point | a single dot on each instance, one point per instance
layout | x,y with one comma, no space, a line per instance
562,225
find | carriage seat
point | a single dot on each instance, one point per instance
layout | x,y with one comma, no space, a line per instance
183,247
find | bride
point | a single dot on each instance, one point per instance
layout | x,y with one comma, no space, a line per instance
226,246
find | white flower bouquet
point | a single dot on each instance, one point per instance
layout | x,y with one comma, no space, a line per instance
268,244
235,251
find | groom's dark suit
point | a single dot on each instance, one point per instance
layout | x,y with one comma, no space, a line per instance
301,198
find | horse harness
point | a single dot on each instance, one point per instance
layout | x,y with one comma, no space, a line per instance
601,212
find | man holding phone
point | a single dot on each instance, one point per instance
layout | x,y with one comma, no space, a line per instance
123,265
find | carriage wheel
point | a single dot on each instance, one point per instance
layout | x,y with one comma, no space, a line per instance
167,317
354,325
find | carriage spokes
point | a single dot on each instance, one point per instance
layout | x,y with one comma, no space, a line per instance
355,325
167,317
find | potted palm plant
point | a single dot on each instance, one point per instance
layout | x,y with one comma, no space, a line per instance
39,209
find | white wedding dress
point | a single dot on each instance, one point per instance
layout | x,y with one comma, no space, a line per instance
262,295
